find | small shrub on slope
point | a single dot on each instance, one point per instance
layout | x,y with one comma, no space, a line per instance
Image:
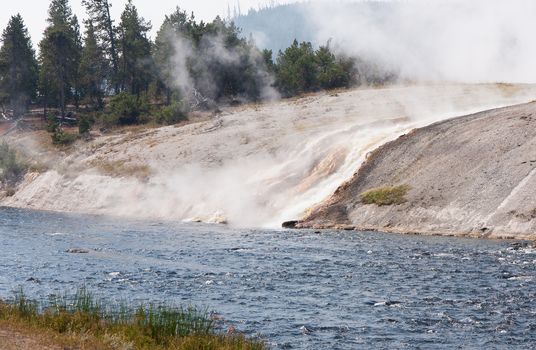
12,169
389,195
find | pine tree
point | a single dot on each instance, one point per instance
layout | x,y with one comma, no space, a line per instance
18,67
92,68
99,14
135,69
175,26
59,55
267,56
77,56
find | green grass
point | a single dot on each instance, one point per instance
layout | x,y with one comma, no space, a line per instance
83,321
389,195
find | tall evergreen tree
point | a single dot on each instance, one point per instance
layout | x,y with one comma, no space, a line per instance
18,67
175,26
77,56
105,31
92,69
135,69
59,55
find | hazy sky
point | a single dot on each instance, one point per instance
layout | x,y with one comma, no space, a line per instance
34,12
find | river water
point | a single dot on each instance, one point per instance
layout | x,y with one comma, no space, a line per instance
297,289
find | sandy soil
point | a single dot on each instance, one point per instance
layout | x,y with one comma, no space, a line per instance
13,340
252,166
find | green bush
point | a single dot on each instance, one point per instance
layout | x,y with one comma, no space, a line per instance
172,114
125,109
62,138
52,123
58,135
301,69
297,71
12,169
389,195
333,72
84,126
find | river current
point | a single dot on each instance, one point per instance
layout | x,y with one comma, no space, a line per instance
296,289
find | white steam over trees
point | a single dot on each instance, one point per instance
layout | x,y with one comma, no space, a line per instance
208,58
431,40
175,25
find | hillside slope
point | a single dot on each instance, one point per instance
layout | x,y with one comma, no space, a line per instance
473,175
253,166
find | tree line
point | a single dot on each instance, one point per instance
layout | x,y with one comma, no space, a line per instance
117,70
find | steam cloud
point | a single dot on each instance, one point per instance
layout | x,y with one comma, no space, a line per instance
440,40
214,51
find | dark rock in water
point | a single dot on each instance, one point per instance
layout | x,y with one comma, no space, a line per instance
77,251
306,330
290,224
33,279
519,245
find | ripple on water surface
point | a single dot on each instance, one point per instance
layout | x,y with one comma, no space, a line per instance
299,289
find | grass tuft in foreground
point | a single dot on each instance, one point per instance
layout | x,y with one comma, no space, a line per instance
389,195
83,321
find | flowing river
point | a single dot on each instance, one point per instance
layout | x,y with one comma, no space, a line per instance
297,289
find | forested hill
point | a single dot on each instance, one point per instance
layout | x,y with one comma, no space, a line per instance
275,27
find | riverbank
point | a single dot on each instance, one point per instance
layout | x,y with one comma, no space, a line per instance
470,176
83,322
